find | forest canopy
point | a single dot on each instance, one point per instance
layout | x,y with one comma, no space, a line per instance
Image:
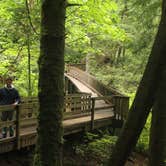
115,36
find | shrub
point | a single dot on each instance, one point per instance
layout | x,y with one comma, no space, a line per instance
98,150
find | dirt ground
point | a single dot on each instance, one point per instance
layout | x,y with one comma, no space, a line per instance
137,160
24,158
21,158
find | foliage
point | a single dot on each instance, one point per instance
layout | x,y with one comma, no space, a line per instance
88,32
15,33
36,160
139,20
93,31
97,149
115,36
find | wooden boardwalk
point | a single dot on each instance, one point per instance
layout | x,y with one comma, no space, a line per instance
87,110
84,88
78,124
28,132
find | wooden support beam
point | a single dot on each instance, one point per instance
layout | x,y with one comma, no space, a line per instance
18,127
92,113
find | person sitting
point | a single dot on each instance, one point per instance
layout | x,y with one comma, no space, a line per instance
8,96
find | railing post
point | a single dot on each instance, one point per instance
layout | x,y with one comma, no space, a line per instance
92,113
18,127
66,86
115,107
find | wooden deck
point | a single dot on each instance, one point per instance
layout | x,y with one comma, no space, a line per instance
93,107
28,132
82,123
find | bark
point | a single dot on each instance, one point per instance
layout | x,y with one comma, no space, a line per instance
144,98
29,66
158,130
51,88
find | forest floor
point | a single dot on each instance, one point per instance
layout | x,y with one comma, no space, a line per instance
138,160
24,158
76,160
73,155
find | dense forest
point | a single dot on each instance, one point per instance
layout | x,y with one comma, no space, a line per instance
115,36
118,41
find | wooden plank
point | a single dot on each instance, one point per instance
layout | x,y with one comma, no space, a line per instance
29,105
28,140
76,114
28,122
29,99
6,108
7,123
18,128
7,145
92,113
28,133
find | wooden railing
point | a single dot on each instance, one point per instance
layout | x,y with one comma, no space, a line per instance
27,111
76,105
94,100
119,104
79,103
120,101
78,65
92,82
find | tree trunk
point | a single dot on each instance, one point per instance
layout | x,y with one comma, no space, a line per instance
51,80
144,98
158,127
158,130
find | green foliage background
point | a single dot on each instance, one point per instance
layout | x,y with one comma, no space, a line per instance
113,38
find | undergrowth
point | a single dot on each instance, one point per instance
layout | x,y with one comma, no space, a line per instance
98,150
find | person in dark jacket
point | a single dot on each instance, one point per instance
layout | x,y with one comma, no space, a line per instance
8,96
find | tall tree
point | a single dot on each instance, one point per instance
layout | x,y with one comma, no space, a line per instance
144,99
51,88
158,130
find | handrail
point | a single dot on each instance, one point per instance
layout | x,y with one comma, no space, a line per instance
109,97
92,82
120,101
6,107
87,108
81,66
15,122
76,104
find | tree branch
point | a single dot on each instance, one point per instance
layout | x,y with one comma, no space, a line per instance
29,17
72,4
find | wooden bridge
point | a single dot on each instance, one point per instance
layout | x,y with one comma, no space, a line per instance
88,105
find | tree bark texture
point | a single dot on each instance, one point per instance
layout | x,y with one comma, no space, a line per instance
51,82
158,127
144,99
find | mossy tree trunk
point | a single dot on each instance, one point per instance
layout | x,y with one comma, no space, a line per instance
144,99
51,88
